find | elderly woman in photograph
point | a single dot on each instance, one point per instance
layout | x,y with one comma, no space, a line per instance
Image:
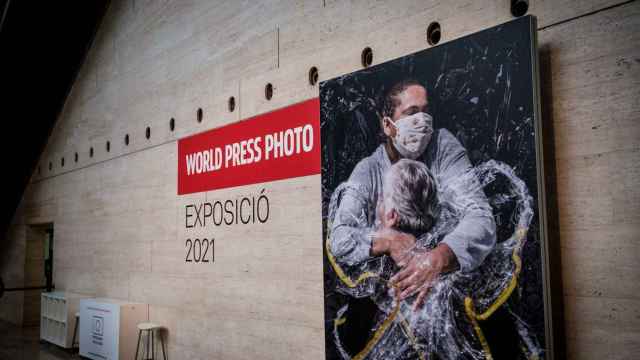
438,324
409,204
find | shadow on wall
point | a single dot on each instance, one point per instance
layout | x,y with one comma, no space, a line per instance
553,228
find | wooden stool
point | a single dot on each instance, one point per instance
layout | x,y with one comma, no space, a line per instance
149,349
75,333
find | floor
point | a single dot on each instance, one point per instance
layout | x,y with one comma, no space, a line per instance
17,343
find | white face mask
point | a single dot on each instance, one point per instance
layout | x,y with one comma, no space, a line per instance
413,134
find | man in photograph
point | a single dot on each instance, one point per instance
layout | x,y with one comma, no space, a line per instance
409,133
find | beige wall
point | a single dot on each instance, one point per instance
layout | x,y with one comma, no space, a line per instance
118,220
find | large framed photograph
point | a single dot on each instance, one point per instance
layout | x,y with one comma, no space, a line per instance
433,216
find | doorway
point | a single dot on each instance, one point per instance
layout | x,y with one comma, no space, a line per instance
38,270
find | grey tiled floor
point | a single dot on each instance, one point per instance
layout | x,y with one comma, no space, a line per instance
17,343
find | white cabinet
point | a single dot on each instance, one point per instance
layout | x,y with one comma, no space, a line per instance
108,328
57,317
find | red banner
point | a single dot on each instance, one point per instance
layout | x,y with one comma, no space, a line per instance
278,145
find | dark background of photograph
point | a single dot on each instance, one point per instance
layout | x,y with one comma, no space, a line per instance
481,89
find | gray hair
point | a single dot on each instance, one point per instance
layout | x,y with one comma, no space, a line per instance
411,190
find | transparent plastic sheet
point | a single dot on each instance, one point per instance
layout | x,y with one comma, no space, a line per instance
446,324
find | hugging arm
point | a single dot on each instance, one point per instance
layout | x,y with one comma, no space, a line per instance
352,224
475,235
350,239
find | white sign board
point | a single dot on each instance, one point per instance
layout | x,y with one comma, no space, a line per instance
99,324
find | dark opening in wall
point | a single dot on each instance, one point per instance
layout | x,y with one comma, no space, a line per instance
268,91
199,115
108,146
148,133
172,124
91,152
366,57
50,166
126,140
434,33
232,104
313,76
62,162
519,7
75,157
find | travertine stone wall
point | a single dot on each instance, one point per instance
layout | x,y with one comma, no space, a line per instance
118,222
